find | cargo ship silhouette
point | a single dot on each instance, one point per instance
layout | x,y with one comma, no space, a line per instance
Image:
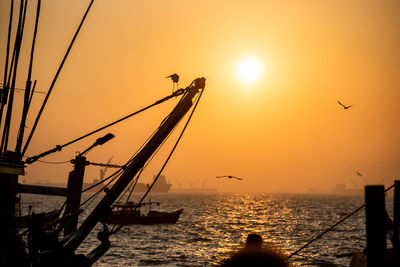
161,186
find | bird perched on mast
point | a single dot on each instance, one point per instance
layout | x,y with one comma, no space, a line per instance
175,79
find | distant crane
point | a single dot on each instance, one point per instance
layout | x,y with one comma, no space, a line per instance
354,183
103,171
179,183
192,183
204,182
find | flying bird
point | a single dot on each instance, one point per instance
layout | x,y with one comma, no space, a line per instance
345,107
230,177
359,174
175,79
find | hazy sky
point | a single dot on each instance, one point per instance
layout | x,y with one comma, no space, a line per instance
284,132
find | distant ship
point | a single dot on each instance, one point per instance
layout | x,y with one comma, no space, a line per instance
161,186
340,189
192,189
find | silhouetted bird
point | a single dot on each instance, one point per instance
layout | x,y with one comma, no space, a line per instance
175,79
345,107
359,174
230,177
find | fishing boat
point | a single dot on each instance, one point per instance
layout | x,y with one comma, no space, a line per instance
130,213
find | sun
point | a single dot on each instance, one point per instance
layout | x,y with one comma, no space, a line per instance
248,70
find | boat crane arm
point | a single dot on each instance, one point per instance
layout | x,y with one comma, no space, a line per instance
103,208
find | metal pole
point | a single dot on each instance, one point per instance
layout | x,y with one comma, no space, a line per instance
11,253
27,93
396,223
75,182
55,79
4,91
375,225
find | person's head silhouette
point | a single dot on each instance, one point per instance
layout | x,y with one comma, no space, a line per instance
253,254
253,241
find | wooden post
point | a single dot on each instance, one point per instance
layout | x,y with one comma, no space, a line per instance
375,225
8,190
396,223
75,182
12,253
10,169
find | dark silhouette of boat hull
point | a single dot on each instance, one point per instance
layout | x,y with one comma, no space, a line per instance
135,217
47,218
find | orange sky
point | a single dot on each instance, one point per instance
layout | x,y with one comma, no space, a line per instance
286,132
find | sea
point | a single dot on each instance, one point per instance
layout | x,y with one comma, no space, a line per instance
214,225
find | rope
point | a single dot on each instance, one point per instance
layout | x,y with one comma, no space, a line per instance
118,172
165,163
54,162
20,89
144,167
134,182
318,260
105,165
331,228
60,147
94,196
87,163
130,188
115,173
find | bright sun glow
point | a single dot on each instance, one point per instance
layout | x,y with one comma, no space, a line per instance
249,70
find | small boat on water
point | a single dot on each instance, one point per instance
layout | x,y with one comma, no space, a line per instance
46,217
130,213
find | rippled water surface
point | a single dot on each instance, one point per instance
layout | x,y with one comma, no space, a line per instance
212,225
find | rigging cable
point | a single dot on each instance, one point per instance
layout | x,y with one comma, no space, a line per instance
3,98
319,261
54,162
134,182
115,173
147,163
28,86
165,163
95,195
60,147
128,162
13,74
331,228
55,79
